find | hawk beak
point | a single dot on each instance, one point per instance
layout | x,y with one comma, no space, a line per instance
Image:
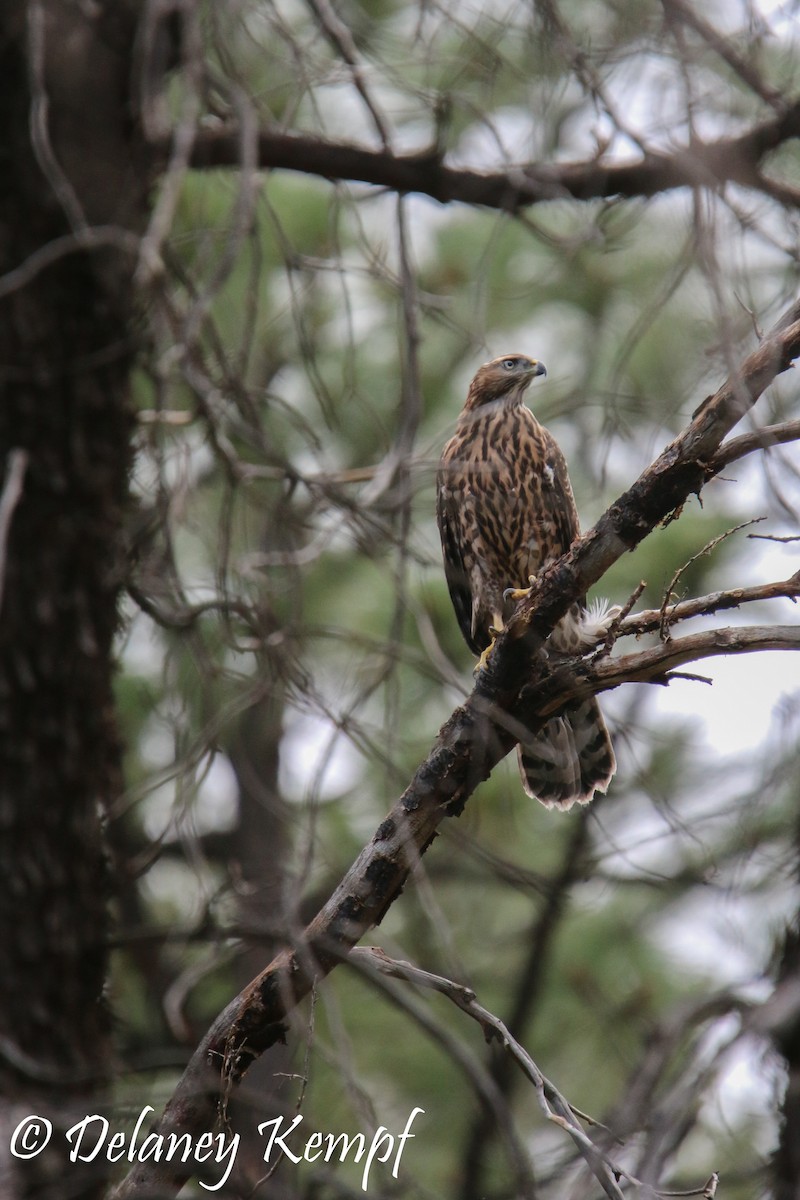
537,368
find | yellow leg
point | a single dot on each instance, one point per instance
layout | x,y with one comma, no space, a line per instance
517,594
494,629
484,658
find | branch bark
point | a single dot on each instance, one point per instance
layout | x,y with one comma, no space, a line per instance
473,740
655,664
656,618
706,164
760,439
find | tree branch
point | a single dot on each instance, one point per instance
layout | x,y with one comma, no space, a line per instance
527,989
652,618
553,1104
655,664
474,739
678,10
16,466
492,1099
704,164
760,439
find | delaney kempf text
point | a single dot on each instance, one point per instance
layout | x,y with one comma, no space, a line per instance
91,1138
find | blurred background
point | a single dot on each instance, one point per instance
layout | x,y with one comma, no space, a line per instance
289,650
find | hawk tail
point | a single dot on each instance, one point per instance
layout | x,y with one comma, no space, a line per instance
569,759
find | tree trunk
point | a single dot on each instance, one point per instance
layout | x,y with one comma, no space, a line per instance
68,163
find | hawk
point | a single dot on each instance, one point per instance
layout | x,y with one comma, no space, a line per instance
505,509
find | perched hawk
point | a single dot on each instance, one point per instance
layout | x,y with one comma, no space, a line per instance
505,510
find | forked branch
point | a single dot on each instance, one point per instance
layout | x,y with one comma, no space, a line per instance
554,1105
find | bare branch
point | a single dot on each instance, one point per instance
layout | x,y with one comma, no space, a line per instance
709,546
678,10
494,1101
40,122
178,154
760,439
342,41
703,164
553,1104
651,619
16,466
528,985
576,679
656,664
96,237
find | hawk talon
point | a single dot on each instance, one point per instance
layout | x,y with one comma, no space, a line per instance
517,594
480,665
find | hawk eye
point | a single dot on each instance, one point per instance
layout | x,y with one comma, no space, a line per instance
509,364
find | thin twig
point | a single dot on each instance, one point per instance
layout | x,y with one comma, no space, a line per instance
616,625
39,121
95,238
340,37
492,1097
709,546
181,143
681,11
16,466
553,1104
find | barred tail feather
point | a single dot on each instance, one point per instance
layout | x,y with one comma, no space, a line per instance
569,759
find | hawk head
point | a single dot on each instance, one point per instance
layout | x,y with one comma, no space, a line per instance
504,377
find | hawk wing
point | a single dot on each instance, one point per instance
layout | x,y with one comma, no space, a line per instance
505,509
555,501
457,553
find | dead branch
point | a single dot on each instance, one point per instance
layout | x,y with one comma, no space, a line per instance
707,549
528,985
657,664
340,37
678,10
704,164
16,466
652,618
471,742
493,1099
760,439
553,1104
